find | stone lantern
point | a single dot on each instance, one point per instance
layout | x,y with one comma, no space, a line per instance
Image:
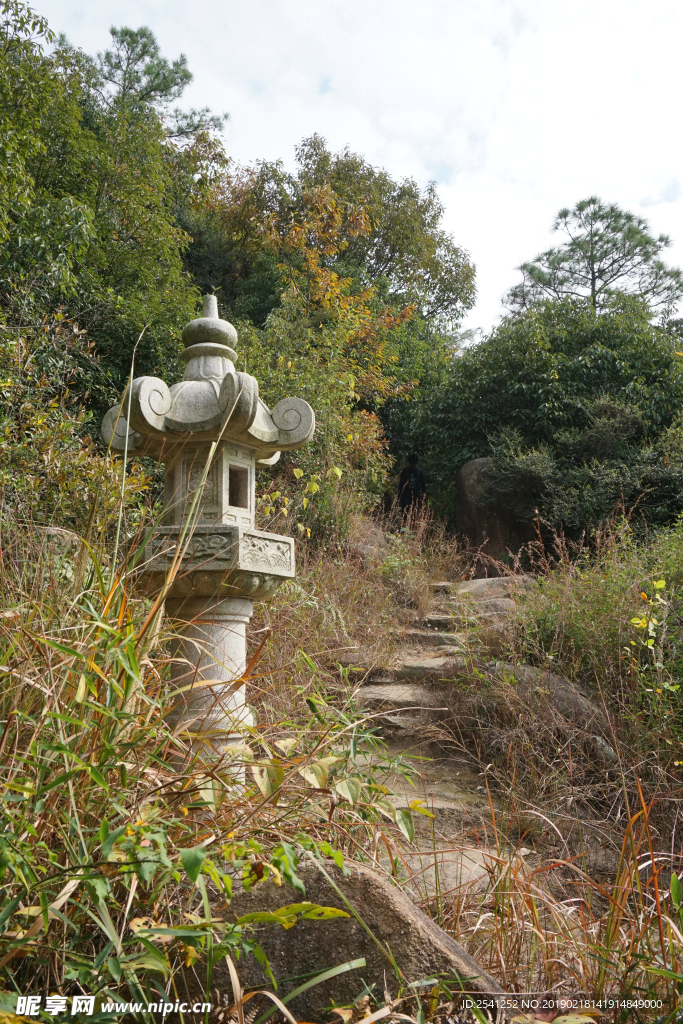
211,426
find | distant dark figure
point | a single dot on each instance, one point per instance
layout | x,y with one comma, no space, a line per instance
411,488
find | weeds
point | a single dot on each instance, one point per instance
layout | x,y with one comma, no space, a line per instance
119,845
543,924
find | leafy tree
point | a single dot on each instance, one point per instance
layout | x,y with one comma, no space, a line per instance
26,87
609,251
402,251
91,256
328,343
97,234
406,255
342,282
362,258
138,72
571,404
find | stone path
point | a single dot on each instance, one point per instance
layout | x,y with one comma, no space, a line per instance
413,692
408,686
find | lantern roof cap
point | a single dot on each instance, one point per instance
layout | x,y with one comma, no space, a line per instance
208,335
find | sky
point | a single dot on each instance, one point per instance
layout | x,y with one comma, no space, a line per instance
514,109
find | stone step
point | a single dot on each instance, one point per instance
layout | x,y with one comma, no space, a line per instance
399,695
441,620
435,683
457,613
493,587
404,664
409,714
425,666
434,638
488,634
495,606
448,869
451,788
442,587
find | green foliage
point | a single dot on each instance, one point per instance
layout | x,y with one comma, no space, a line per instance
139,77
336,273
51,470
25,88
344,467
576,407
138,72
91,255
609,252
344,272
582,476
405,255
94,231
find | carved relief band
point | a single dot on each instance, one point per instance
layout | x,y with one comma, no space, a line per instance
219,560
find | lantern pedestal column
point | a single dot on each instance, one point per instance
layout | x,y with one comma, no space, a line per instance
208,668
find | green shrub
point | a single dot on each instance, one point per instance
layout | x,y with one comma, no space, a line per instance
610,619
573,405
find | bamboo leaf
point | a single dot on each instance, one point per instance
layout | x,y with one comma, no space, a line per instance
404,820
192,861
349,789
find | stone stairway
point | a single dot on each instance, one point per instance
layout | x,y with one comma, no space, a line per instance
412,686
421,693
412,690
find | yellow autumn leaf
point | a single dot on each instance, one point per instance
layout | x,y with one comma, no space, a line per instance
316,773
81,689
286,745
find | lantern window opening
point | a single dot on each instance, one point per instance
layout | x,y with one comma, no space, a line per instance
238,487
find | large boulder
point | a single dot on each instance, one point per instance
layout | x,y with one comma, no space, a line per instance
391,922
486,525
538,687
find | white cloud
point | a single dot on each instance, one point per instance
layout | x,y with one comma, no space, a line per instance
515,108
668,192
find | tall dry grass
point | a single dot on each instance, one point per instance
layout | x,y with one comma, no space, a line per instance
116,826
